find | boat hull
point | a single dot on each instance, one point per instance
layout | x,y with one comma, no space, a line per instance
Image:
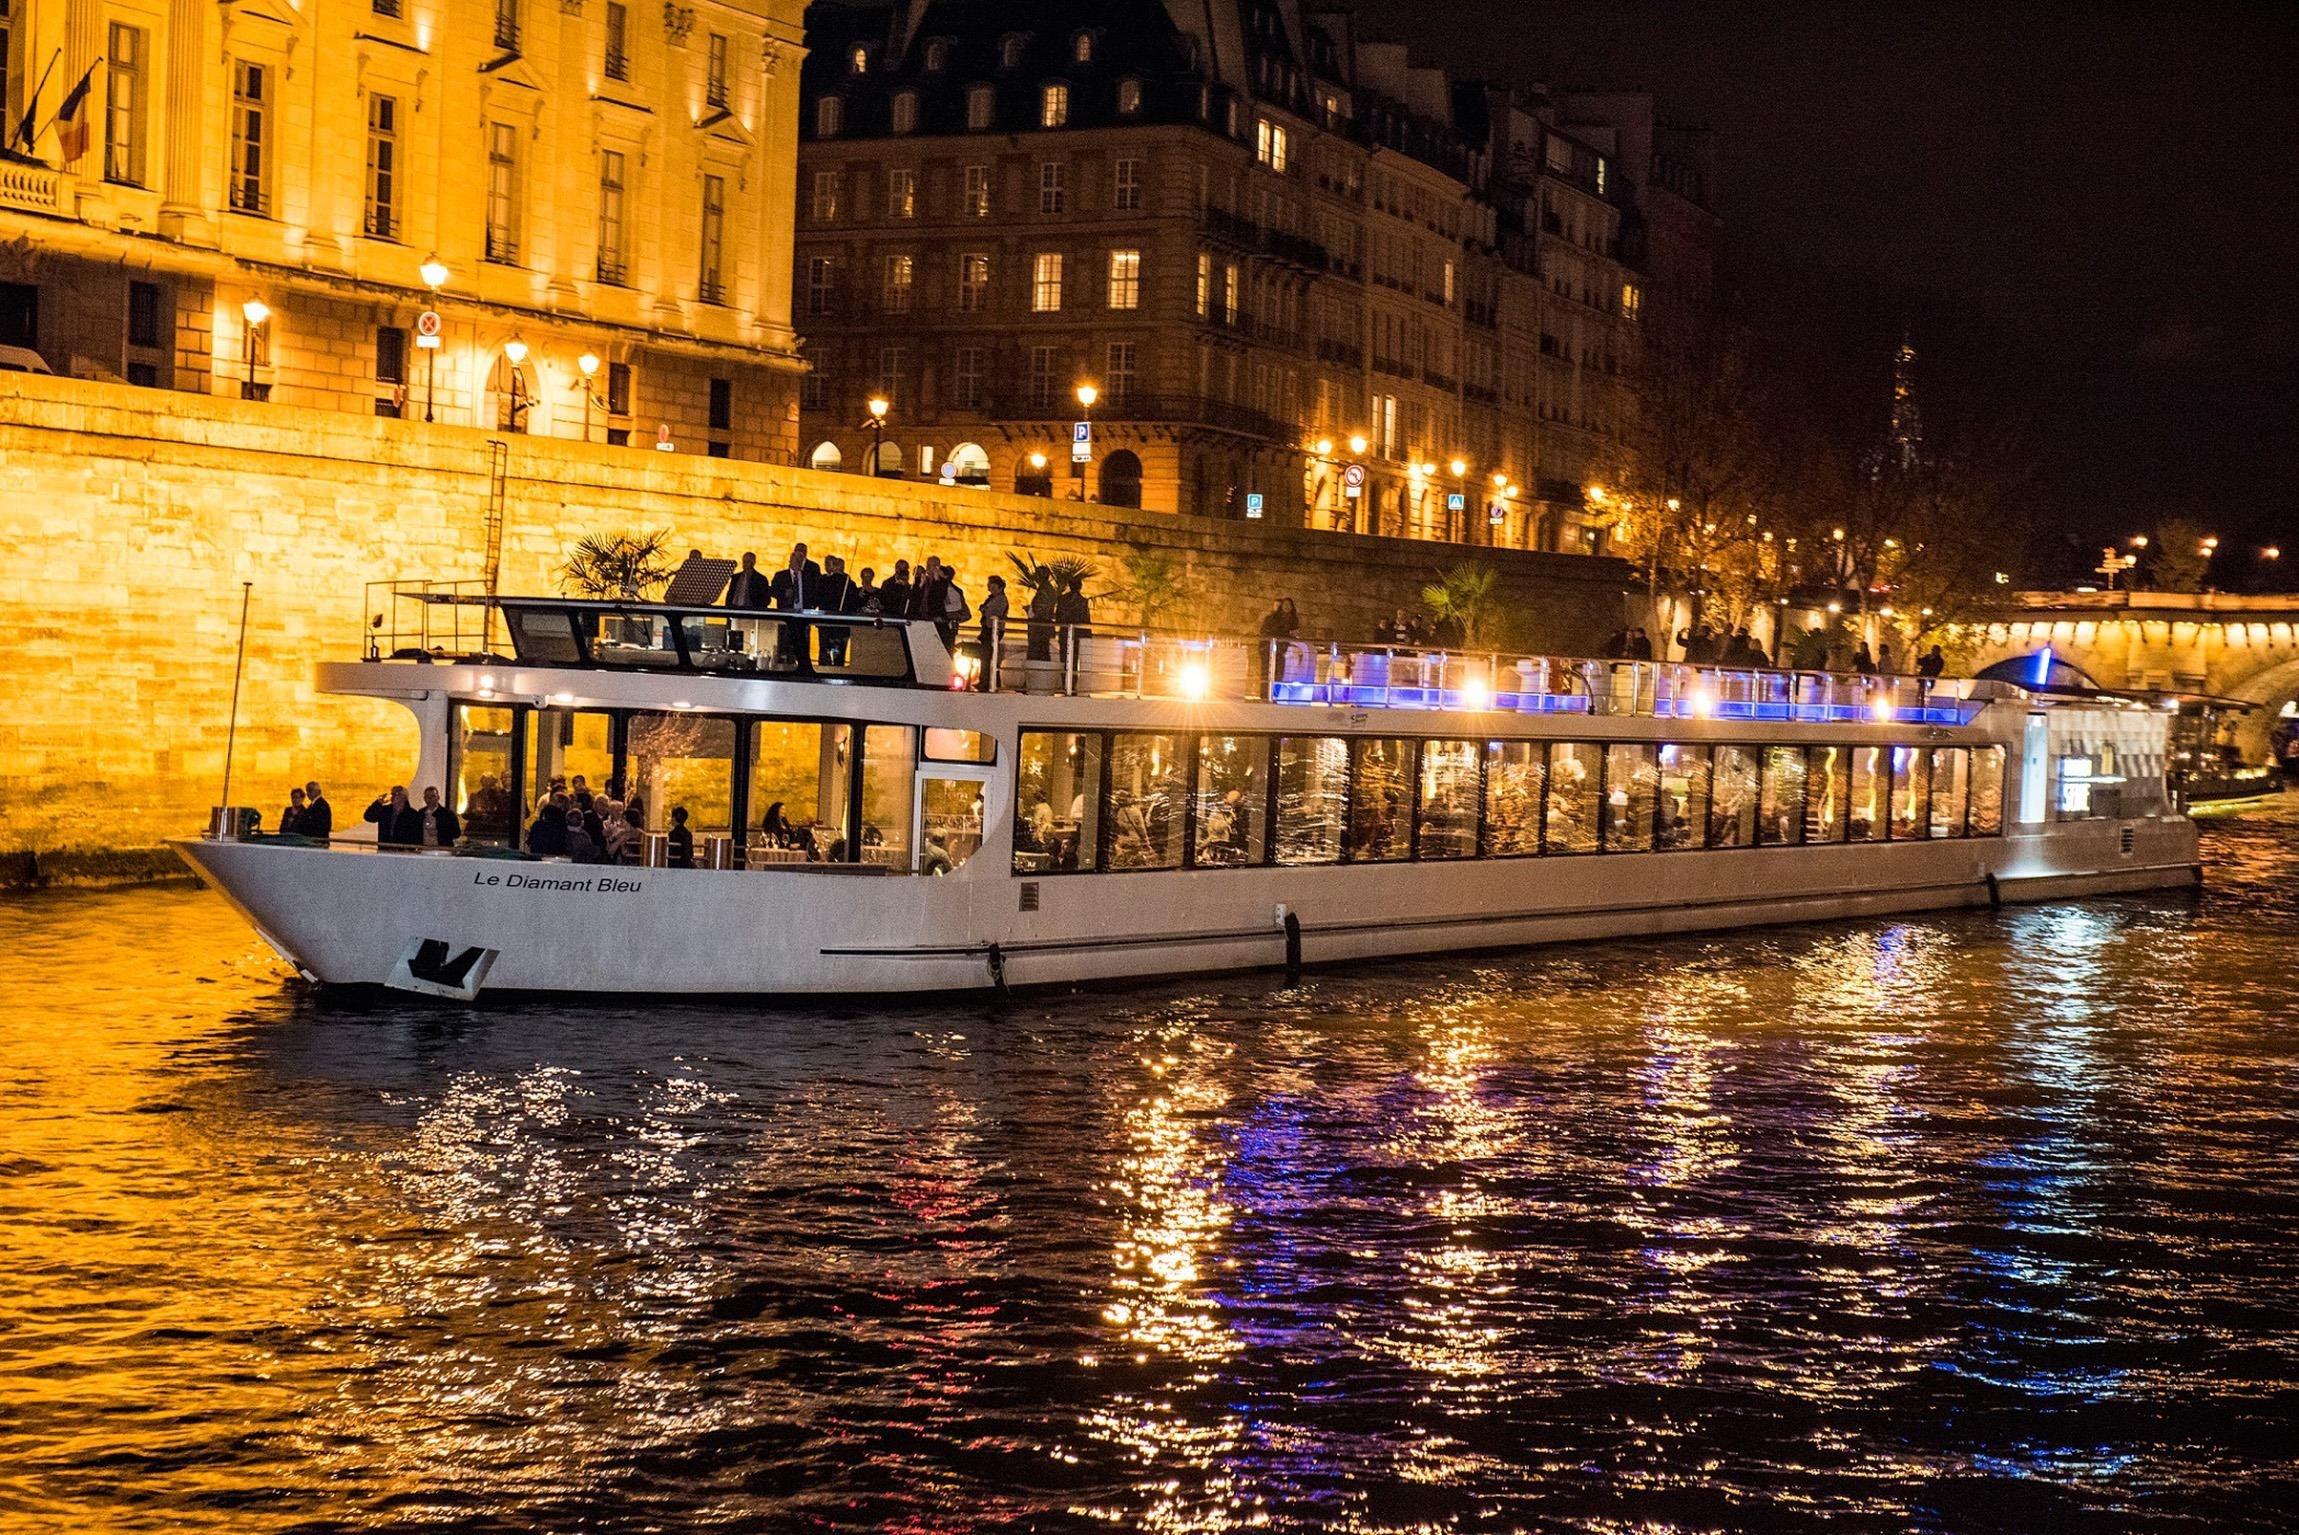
455,926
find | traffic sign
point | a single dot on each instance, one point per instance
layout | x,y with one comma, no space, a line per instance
1456,502
1081,441
427,329
1353,476
1253,503
1496,514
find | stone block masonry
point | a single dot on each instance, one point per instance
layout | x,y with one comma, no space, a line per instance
129,518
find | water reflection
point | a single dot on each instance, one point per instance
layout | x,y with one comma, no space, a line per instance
1953,1223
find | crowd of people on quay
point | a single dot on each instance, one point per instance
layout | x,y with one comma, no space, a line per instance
1817,649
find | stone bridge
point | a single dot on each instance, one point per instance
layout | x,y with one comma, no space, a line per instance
2191,642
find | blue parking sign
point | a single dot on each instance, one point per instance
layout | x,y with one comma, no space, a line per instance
1253,503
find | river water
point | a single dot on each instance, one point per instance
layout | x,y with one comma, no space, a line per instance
1971,1222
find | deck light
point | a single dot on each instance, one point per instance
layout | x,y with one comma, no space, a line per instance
562,698
1703,703
1194,681
1881,708
1476,694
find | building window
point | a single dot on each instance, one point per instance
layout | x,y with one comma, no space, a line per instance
906,112
937,56
1125,279
814,389
858,60
1272,145
1045,362
502,193
973,282
1046,282
1054,106
714,72
507,25
1052,194
893,366
124,110
1082,47
722,404
388,8
829,117
1010,50
824,206
894,294
1129,98
1229,293
901,194
618,388
1631,301
711,286
1126,188
977,194
981,107
1204,283
821,286
968,370
618,57
610,216
1118,376
251,138
143,312
383,167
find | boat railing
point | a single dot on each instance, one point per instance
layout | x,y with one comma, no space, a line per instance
406,619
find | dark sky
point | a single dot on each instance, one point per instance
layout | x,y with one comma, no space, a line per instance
2115,187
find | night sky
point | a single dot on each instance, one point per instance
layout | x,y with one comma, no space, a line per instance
2111,191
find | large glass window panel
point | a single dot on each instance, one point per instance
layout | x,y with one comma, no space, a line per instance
1632,784
1057,801
1312,789
1448,813
799,767
630,639
1827,784
950,817
1911,792
684,760
544,635
1232,802
1951,790
1683,798
1780,818
947,744
1733,797
889,757
1514,771
1871,784
1576,783
1145,800
1987,791
1380,800
567,745
482,793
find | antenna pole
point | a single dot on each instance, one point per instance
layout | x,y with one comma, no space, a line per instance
239,664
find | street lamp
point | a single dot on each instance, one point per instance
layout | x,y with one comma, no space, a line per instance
515,352
1087,394
588,364
878,406
434,274
1460,468
254,311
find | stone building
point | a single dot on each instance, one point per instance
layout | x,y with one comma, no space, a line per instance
1307,279
262,199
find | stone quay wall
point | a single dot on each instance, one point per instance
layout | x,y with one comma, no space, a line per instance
130,517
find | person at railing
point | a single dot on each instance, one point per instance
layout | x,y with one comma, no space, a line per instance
440,827
1863,662
894,595
1811,653
748,588
865,597
397,823
1931,664
950,607
838,596
318,815
291,819
1639,644
1276,629
1045,602
797,586
992,614
1073,611
681,845
1884,659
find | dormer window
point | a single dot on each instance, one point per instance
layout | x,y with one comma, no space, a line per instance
937,56
1010,50
1082,48
829,116
1054,106
1129,98
906,112
858,60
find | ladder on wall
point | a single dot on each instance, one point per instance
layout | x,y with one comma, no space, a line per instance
498,467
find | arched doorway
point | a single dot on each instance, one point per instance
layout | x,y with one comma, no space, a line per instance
1122,479
825,456
890,460
1033,475
969,465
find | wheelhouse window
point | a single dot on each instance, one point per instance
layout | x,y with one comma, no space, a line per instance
1780,819
1380,800
1446,824
1057,801
1576,782
1230,805
889,762
1312,792
1683,808
1515,772
1632,785
1733,797
1145,773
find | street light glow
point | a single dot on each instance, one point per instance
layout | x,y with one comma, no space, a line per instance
1323,446
1087,394
255,311
879,405
1596,495
1037,461
516,350
434,273
1459,466
589,363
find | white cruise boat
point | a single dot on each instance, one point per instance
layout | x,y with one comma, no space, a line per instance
1107,806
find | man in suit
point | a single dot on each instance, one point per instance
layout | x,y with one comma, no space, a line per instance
397,823
749,587
837,594
318,815
797,587
440,827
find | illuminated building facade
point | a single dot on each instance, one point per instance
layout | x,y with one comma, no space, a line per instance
1291,264
263,199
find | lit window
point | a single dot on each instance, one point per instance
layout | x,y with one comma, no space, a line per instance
973,281
901,194
251,144
1129,98
1053,106
906,112
826,193
1052,194
829,117
1126,192
1082,47
1631,300
896,292
981,107
1448,282
1272,145
977,194
1046,282
1229,293
1125,279
858,60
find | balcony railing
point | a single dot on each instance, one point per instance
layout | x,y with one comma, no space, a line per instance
1183,409
612,270
382,224
507,25
502,248
35,188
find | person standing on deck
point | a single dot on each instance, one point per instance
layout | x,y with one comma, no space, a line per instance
748,588
318,815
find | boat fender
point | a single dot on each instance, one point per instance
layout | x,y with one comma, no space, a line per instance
1995,892
1292,947
997,959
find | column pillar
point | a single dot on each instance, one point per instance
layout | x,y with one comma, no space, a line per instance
185,215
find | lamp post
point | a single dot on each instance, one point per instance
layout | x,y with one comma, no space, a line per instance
434,274
588,366
1460,468
879,405
1358,443
254,311
1087,394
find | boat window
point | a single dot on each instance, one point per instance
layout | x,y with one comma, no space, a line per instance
1683,798
1632,783
1232,801
950,822
564,745
1911,790
1145,801
945,744
1827,784
1447,823
1576,774
629,639
720,643
1380,799
1780,815
1057,801
1951,790
1513,774
1987,791
876,652
1871,777
801,766
545,636
683,759
1733,797
888,759
483,785
1312,788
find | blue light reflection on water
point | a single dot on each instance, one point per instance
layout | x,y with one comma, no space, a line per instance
1969,1222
